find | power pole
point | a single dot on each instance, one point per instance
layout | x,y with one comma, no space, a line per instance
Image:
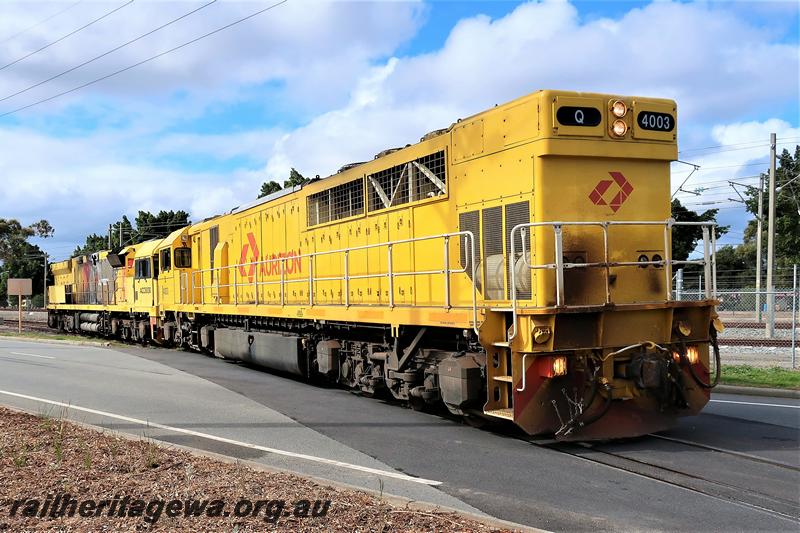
109,236
770,329
120,234
759,251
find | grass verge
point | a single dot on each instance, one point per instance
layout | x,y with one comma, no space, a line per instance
37,335
750,376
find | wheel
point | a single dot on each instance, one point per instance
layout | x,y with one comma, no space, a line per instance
475,420
417,404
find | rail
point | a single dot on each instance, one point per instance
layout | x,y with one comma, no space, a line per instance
198,277
708,262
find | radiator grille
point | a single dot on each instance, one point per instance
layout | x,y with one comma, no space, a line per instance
415,180
469,222
343,201
492,241
518,213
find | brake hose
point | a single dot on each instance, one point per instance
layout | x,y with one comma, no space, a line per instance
575,423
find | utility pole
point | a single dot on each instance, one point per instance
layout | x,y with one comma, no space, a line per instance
770,329
759,251
109,236
120,234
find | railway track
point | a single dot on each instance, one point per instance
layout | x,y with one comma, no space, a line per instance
27,325
731,485
747,324
750,341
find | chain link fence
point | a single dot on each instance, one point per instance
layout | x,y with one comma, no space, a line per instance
761,326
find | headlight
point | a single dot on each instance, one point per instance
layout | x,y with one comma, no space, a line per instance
619,128
684,328
619,108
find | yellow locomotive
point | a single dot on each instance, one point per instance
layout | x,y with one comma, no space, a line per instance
516,266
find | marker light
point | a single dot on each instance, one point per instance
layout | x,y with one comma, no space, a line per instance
552,366
619,108
619,128
693,355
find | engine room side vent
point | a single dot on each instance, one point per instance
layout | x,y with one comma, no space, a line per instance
469,222
493,260
518,213
343,201
422,178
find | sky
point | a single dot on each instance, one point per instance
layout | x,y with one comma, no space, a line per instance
316,85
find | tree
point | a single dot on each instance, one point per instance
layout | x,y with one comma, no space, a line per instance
95,243
787,211
295,178
21,259
14,236
269,187
148,226
29,263
686,238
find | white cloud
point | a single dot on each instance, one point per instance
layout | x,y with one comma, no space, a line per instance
706,57
326,64
304,46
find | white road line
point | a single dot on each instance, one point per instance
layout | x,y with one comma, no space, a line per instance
32,355
311,458
757,403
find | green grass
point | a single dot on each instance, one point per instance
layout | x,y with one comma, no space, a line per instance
34,335
775,377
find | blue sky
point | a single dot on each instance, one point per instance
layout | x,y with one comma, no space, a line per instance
313,86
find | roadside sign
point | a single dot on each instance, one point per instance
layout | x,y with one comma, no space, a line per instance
20,287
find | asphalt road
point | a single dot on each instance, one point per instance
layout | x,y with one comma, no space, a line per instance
743,458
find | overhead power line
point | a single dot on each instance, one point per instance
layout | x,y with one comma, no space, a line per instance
142,62
757,143
111,51
73,32
36,25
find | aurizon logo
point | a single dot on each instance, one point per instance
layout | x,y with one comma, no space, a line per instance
601,191
251,254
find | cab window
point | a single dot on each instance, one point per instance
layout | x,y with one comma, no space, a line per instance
183,257
142,268
166,260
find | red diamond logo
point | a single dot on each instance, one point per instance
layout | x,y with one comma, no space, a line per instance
251,245
619,193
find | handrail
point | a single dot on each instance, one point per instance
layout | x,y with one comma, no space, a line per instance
708,261
311,280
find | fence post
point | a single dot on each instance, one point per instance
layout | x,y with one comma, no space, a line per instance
795,312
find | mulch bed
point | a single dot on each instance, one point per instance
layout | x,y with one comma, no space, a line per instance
42,457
